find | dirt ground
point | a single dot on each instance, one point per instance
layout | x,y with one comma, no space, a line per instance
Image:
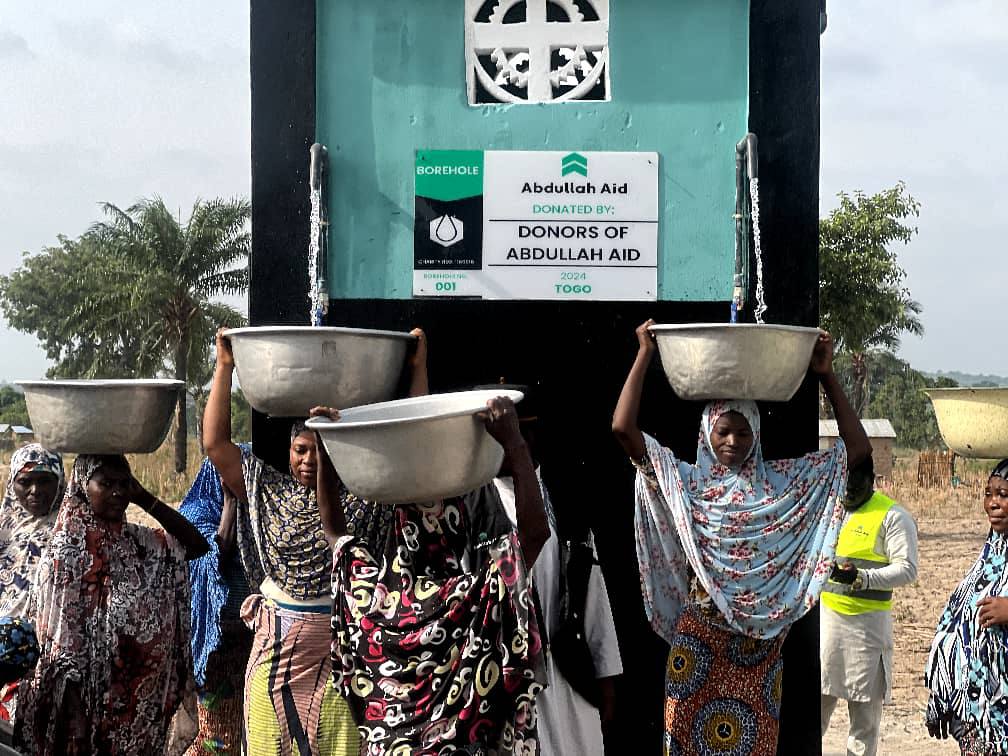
951,529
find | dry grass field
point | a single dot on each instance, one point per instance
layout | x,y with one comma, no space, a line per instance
156,471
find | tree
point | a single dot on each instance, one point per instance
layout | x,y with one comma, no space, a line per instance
862,297
241,417
13,410
896,391
135,294
55,295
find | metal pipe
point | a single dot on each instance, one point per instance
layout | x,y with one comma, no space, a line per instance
746,167
318,154
740,195
317,167
748,146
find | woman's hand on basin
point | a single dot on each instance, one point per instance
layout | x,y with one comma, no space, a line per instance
501,419
419,354
822,355
417,362
225,357
328,412
645,338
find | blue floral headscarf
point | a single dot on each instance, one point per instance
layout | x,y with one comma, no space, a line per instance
759,539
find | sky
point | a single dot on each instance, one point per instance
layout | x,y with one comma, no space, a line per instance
104,101
112,101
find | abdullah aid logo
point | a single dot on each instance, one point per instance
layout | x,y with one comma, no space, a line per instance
574,163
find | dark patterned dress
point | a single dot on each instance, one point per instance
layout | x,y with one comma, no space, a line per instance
433,657
111,607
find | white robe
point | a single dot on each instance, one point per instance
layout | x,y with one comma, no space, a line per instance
851,647
567,723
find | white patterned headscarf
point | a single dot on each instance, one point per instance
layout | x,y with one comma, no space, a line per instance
24,535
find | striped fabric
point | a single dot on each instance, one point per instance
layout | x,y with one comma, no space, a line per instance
291,707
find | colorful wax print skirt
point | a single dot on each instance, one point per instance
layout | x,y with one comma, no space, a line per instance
722,690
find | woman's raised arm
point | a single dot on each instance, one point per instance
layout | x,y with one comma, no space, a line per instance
327,485
624,421
222,451
175,524
848,423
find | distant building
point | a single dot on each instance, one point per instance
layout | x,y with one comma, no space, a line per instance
22,435
881,434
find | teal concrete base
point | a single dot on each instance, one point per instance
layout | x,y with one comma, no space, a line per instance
391,80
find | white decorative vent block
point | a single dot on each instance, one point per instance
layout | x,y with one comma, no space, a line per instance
531,51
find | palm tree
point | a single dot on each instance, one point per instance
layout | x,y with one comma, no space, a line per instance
173,270
903,317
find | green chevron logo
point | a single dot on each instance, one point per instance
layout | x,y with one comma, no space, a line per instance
574,163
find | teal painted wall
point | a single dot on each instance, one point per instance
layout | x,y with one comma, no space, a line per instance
391,80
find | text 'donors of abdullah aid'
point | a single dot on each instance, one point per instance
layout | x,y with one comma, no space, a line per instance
536,225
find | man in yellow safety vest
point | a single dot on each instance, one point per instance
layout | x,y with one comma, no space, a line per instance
877,552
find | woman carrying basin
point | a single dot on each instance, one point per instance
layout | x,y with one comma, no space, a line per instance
435,641
732,551
111,607
290,703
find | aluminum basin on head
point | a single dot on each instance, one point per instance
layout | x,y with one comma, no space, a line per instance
735,360
973,421
284,371
101,416
414,450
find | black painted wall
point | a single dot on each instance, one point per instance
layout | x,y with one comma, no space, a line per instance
577,353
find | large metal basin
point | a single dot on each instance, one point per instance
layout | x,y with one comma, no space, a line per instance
973,421
103,416
284,371
735,361
420,449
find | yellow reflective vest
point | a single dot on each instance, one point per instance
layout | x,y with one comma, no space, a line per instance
857,546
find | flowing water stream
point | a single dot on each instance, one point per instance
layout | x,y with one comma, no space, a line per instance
315,293
758,249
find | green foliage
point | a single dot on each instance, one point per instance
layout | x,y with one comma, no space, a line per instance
862,298
133,296
13,409
241,417
894,392
58,295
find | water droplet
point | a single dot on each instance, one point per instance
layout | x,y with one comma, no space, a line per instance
446,234
719,127
413,120
627,120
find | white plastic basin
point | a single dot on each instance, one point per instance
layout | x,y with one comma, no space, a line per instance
414,450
